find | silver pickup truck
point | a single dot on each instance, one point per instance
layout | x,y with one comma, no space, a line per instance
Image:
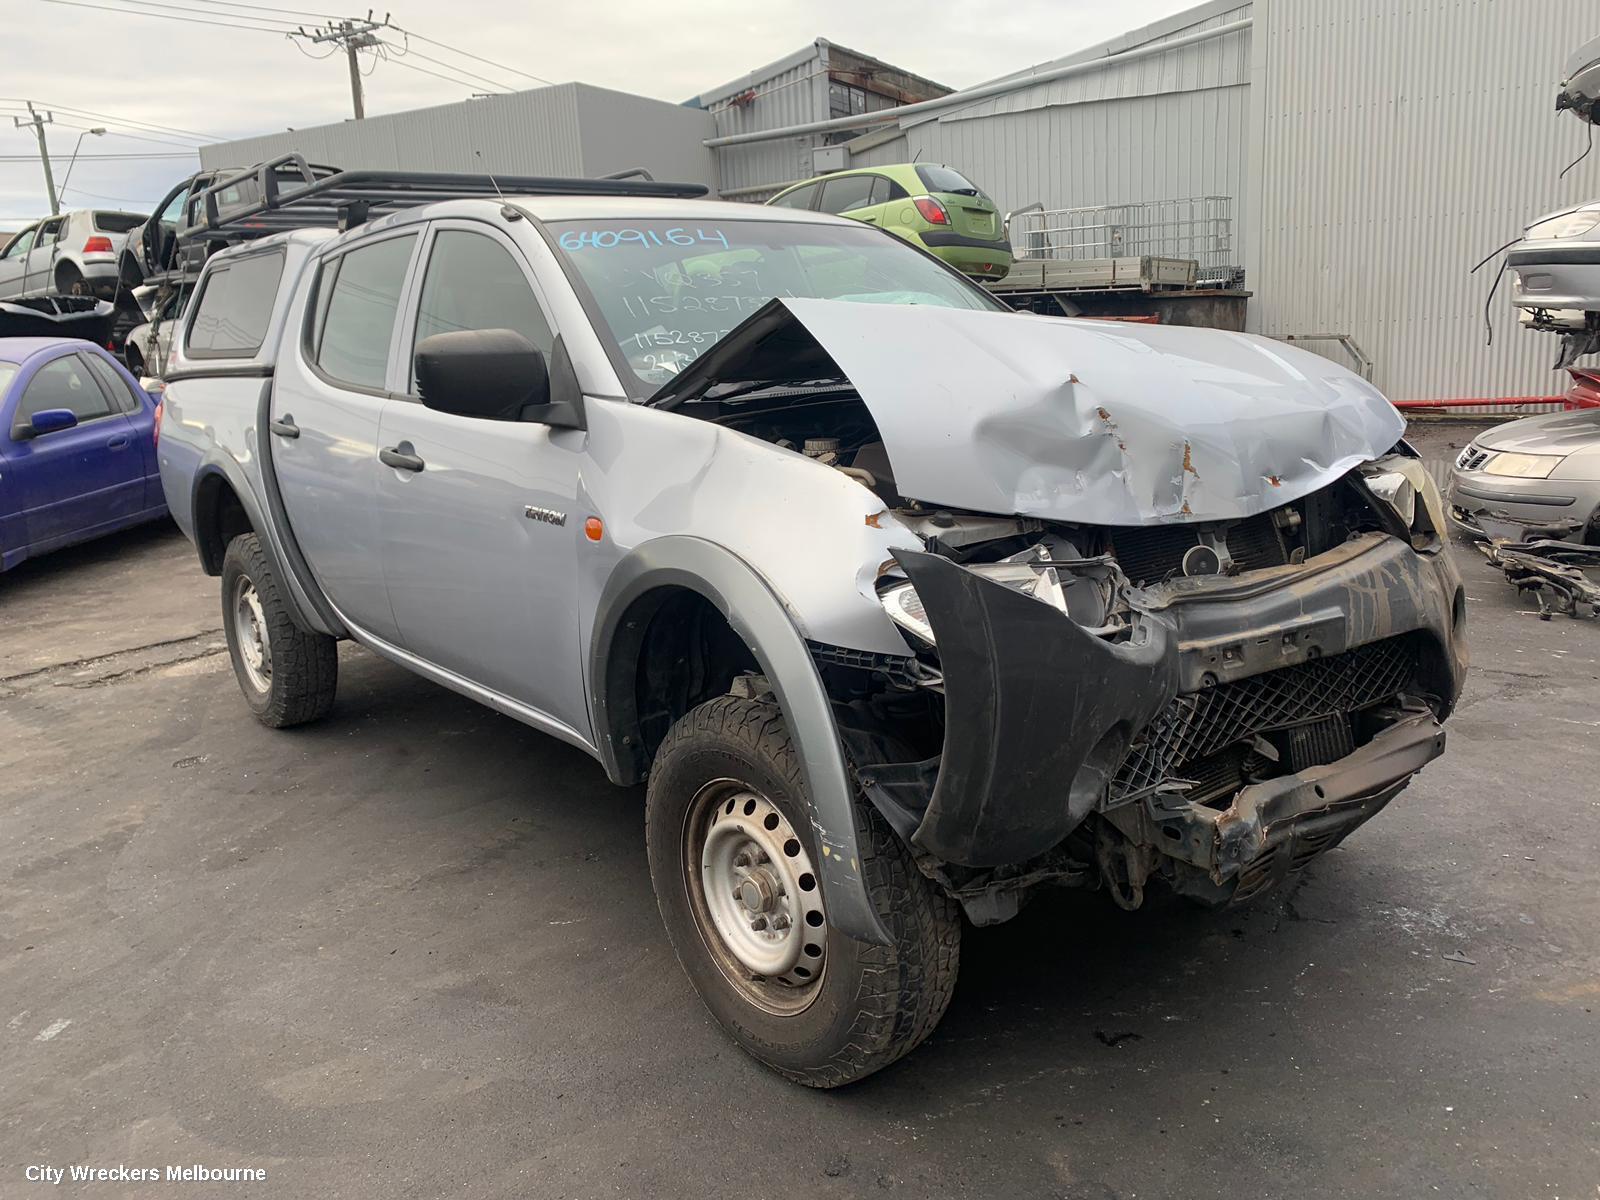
904,605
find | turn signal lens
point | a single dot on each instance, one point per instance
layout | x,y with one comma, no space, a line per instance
594,529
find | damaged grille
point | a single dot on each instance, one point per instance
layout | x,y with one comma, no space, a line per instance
1472,458
1149,554
1198,725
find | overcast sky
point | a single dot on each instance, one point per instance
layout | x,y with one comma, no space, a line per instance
228,82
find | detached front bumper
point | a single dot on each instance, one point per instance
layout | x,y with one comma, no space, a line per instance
1041,716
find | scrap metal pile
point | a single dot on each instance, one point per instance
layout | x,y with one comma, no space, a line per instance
1557,573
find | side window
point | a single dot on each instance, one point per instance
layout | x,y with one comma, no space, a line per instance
115,385
49,232
846,193
174,208
896,192
473,282
20,244
363,297
234,306
64,383
799,198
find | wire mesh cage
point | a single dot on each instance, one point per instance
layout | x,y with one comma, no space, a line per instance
1195,227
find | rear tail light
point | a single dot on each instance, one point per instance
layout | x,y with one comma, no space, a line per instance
932,211
155,432
97,245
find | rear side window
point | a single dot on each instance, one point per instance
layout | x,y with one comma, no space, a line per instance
944,179
799,198
847,193
234,306
115,384
111,222
64,383
358,299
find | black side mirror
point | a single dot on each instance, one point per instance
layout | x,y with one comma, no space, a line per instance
494,374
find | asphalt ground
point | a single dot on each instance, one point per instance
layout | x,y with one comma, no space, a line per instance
413,951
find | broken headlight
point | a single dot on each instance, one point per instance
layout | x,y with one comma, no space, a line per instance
1522,466
1404,484
1082,589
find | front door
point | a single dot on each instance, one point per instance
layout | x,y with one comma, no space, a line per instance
76,480
480,537
40,279
324,423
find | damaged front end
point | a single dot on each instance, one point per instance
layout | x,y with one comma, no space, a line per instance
1175,603
1212,706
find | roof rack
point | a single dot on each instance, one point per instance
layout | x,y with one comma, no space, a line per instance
349,198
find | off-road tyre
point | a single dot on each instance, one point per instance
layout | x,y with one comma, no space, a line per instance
304,671
872,1004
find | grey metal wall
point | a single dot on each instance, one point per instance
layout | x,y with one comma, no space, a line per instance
791,91
1168,126
1400,142
570,129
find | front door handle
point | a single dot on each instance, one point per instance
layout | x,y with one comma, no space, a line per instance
400,457
286,428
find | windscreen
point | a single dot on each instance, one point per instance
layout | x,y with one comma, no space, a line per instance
115,222
668,291
945,179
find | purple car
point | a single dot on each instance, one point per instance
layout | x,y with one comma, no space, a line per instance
77,447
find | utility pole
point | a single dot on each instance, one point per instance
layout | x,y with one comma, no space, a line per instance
349,34
37,121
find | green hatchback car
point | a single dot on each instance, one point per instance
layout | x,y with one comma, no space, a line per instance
931,206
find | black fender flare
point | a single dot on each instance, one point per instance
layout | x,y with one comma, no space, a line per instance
759,617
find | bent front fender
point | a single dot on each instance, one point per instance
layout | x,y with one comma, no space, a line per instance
756,614
1038,714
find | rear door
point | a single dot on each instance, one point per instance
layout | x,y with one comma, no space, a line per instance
14,263
853,196
42,258
479,584
75,480
325,413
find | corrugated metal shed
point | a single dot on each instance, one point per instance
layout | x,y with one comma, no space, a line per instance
1401,141
791,91
569,129
1174,125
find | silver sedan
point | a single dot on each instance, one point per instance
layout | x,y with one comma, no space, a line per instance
1537,477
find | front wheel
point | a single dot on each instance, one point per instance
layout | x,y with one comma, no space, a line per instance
288,675
734,864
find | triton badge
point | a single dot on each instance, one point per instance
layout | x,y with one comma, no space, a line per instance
548,515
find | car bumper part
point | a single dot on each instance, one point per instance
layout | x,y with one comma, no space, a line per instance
1555,277
1492,506
1045,722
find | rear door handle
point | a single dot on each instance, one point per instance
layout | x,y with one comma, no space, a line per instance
285,428
400,457
120,442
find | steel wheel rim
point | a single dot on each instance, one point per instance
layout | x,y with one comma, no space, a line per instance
250,633
756,897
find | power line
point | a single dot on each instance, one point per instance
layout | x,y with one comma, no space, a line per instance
421,37
406,51
33,158
134,12
350,34
399,62
132,137
286,26
151,126
296,12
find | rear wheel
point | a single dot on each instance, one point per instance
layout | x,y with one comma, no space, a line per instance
69,281
288,675
734,862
